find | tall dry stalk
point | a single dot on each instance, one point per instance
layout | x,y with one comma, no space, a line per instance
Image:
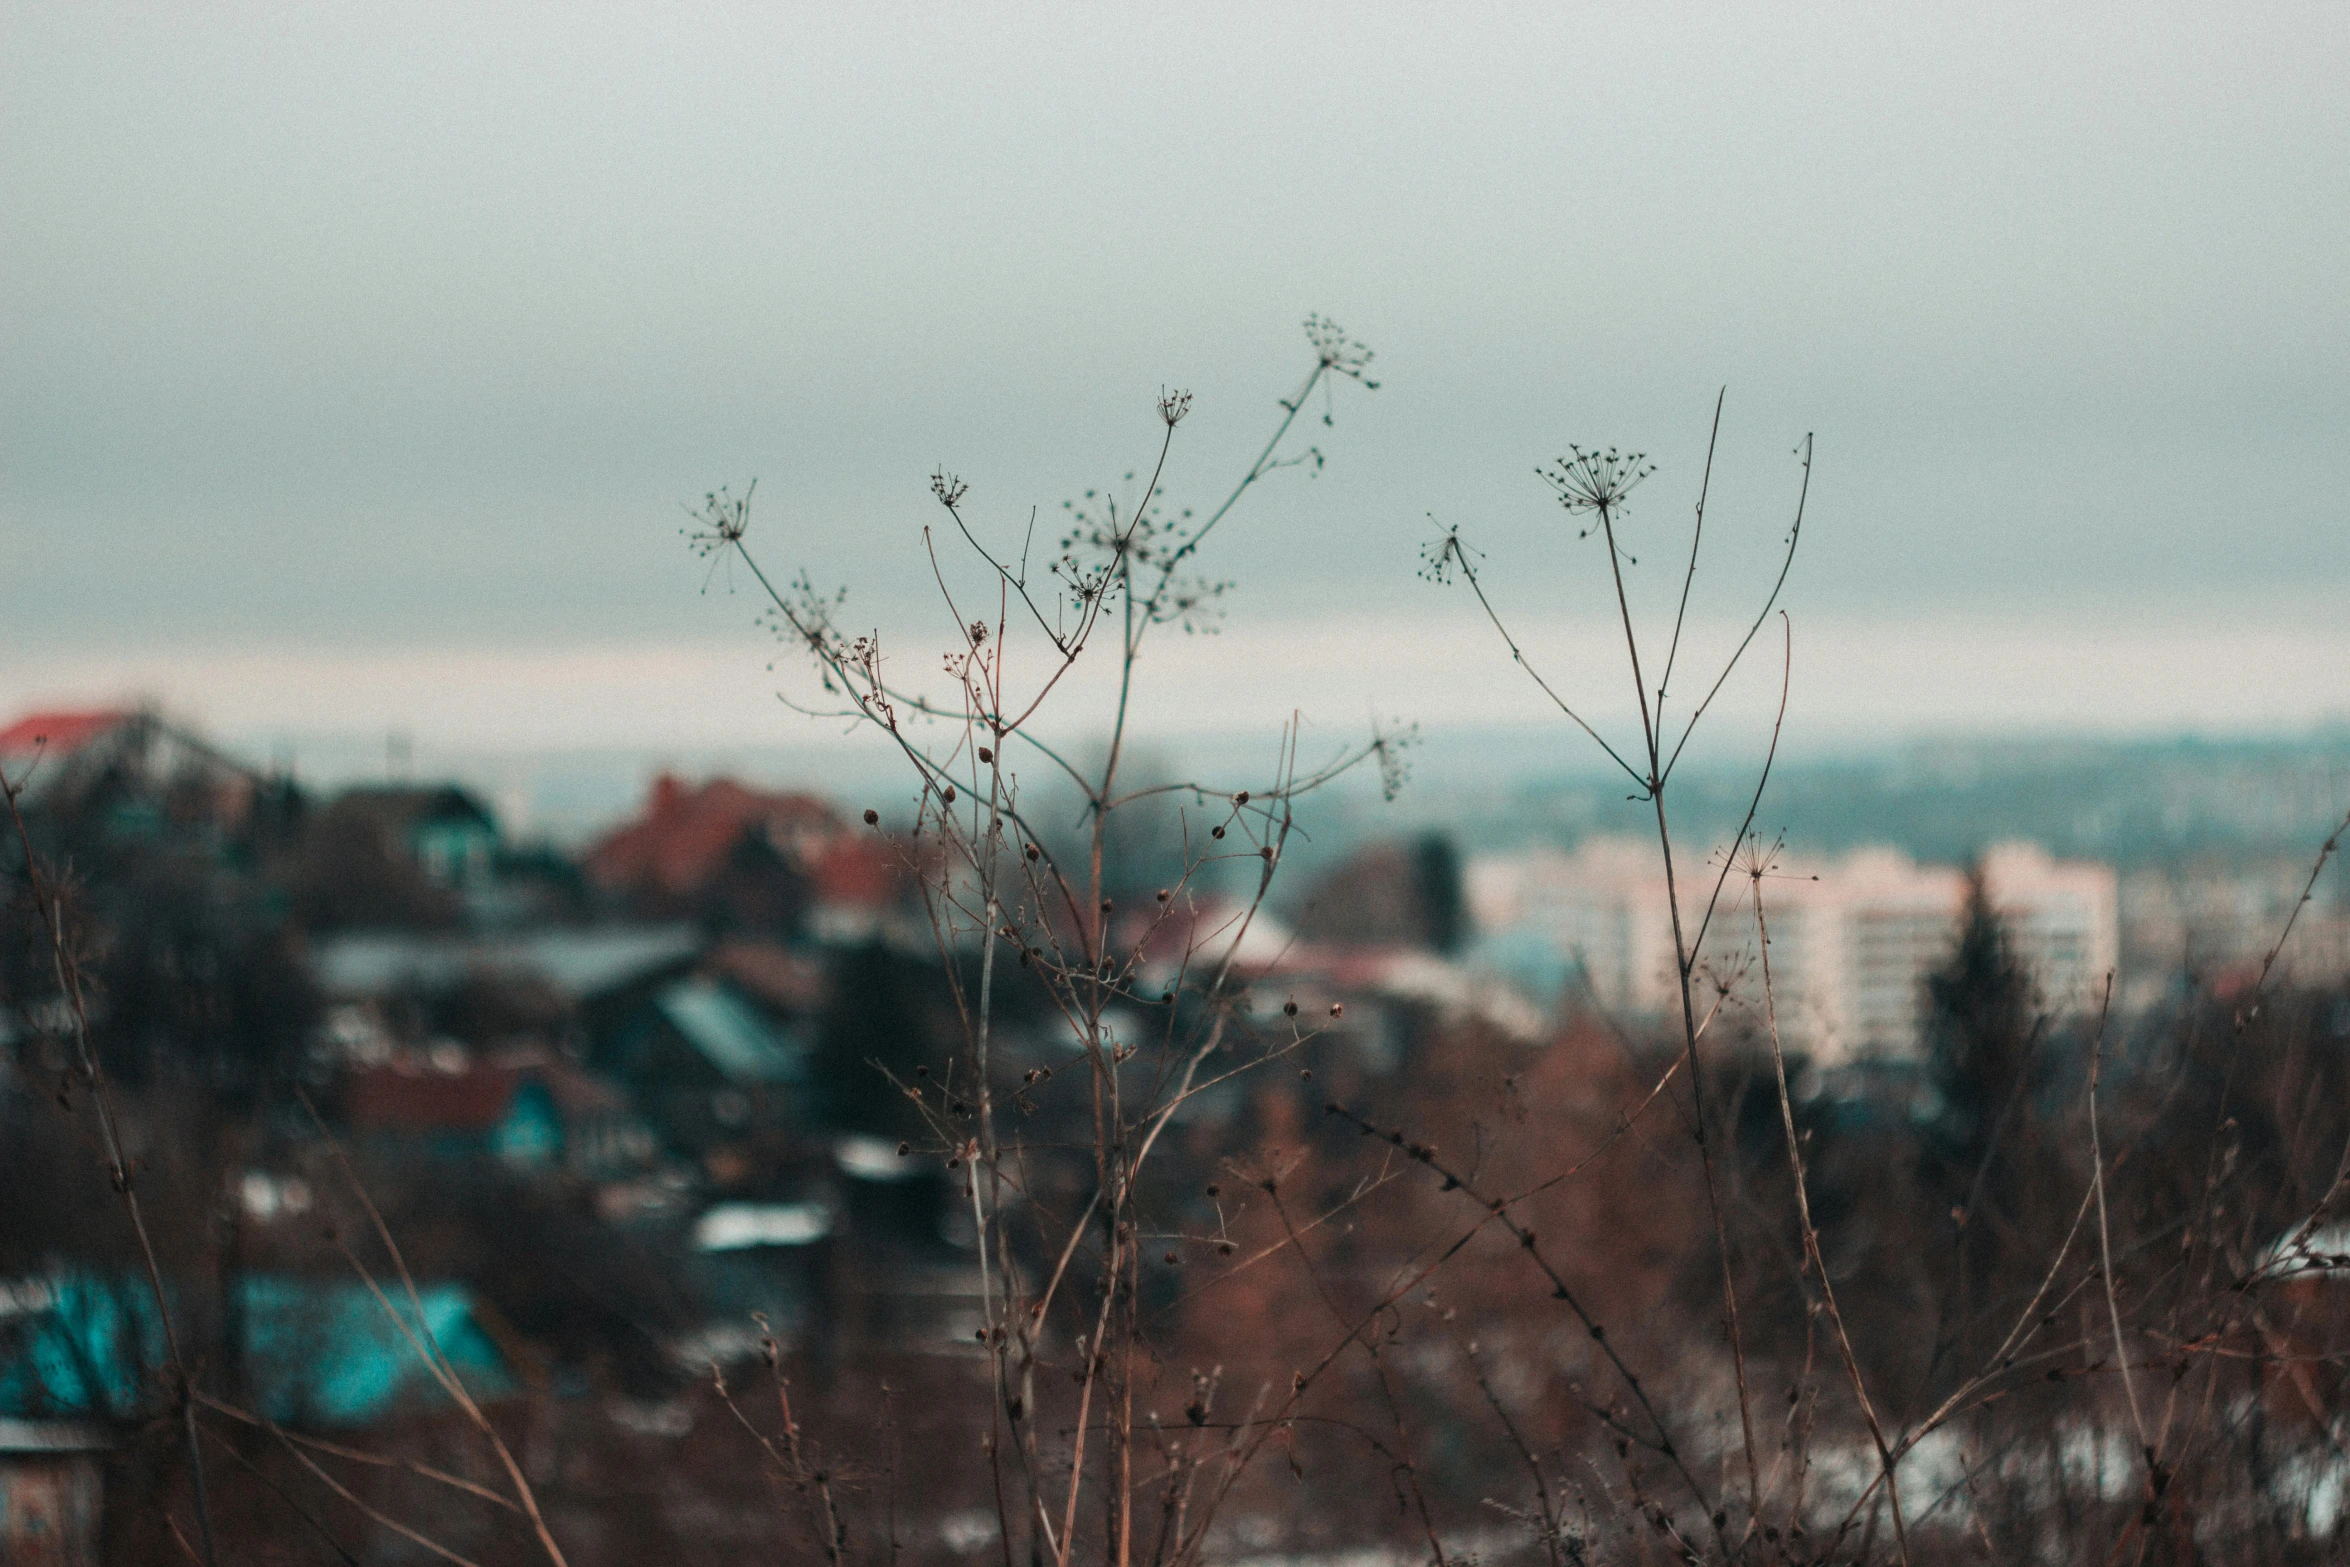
66,966
1148,998
1596,485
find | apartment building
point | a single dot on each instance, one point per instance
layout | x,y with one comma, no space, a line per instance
1851,939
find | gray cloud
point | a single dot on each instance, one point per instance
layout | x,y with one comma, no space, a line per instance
325,328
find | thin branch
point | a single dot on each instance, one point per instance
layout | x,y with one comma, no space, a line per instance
1786,564
2104,1235
1458,552
1664,682
69,985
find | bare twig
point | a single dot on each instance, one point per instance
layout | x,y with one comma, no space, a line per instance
67,969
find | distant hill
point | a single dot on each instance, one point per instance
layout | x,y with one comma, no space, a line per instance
2129,802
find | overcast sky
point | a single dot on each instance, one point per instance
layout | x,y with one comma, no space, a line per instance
357,359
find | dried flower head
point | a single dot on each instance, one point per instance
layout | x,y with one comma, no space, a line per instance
724,518
949,489
719,526
1173,406
1339,353
1446,554
1596,482
1391,747
1193,602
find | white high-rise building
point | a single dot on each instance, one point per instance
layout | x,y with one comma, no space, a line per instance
1852,939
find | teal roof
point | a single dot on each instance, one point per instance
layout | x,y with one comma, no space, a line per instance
326,1352
78,1346
729,1034
317,1352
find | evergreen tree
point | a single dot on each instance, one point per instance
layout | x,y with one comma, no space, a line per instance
1986,1159
1981,1027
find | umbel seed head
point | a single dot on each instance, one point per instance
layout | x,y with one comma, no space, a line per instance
1596,481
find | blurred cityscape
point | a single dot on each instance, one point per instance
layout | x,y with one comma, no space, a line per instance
635,1097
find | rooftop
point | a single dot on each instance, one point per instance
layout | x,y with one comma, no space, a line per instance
729,1034
739,1226
59,733
318,1352
576,963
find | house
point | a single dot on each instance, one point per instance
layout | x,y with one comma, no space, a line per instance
144,776
685,833
708,1067
592,992
588,983
44,751
80,1353
315,1352
325,1352
739,858
528,1108
447,832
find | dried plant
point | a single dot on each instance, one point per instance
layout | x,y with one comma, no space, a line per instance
1148,999
88,1074
2028,1476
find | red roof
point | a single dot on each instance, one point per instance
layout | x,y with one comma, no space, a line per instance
685,834
857,872
59,733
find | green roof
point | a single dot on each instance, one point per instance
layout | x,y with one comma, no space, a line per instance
318,1352
730,1035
